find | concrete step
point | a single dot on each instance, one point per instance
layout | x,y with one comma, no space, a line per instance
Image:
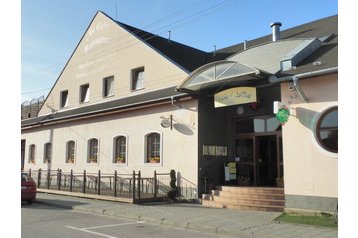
256,190
244,207
230,195
236,201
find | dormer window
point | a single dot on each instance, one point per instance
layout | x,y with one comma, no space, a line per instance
84,93
64,99
137,79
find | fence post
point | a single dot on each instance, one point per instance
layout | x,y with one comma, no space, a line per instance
115,183
133,186
39,178
84,181
155,183
71,178
139,183
99,183
59,174
48,178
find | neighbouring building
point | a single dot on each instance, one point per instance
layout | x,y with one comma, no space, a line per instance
131,100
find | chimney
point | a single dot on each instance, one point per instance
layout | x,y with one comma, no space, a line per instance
276,33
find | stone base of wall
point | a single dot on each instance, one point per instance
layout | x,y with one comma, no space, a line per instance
310,204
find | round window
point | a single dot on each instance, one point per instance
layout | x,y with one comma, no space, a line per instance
327,130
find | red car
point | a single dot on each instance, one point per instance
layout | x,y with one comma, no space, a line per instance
28,188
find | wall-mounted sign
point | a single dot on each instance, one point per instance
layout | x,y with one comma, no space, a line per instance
282,115
234,96
214,150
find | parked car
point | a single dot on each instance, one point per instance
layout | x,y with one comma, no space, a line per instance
28,188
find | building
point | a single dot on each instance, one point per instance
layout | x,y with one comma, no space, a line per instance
130,100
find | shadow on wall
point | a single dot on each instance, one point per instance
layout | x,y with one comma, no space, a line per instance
184,129
308,118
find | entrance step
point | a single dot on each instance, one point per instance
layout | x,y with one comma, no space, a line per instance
246,198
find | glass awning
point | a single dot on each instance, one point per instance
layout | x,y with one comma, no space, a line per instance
220,73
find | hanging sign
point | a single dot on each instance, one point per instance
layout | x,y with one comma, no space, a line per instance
235,96
282,115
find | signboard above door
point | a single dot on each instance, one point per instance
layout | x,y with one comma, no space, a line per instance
235,96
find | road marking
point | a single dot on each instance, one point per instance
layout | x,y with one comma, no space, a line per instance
92,232
87,229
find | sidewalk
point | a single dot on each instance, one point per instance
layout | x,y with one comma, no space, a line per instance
192,216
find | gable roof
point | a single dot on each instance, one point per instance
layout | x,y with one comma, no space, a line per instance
186,57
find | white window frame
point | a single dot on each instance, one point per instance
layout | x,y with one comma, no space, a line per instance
108,86
47,152
32,154
67,152
84,96
115,150
137,79
89,151
62,103
146,149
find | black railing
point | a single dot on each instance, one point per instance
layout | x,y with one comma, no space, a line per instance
133,186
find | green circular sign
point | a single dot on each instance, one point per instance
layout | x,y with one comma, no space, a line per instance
282,115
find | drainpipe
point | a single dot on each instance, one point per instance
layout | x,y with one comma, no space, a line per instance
295,78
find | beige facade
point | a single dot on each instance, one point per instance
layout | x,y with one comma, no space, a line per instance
309,170
105,50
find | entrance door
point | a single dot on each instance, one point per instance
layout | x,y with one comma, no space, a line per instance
266,160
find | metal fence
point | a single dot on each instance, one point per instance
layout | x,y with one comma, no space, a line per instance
133,186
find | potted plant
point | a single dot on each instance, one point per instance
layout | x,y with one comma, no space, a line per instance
120,160
243,181
93,160
154,160
280,182
71,161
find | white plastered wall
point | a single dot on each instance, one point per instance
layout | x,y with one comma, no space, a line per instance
179,145
309,169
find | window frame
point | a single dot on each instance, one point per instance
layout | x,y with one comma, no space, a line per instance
319,129
134,78
62,103
116,153
68,151
47,152
108,91
148,150
32,154
84,93
92,153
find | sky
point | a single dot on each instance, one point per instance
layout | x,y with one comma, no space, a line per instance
51,30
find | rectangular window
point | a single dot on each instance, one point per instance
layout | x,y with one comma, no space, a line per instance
84,93
64,98
137,79
47,153
32,154
108,86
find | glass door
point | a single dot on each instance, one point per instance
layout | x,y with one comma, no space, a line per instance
266,160
245,160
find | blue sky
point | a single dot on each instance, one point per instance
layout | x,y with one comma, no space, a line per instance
50,30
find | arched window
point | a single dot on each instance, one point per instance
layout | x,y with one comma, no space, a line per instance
47,153
327,130
92,151
70,151
153,148
32,148
120,149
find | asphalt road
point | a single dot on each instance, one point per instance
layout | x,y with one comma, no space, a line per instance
41,221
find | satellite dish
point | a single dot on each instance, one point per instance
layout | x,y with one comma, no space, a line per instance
166,122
